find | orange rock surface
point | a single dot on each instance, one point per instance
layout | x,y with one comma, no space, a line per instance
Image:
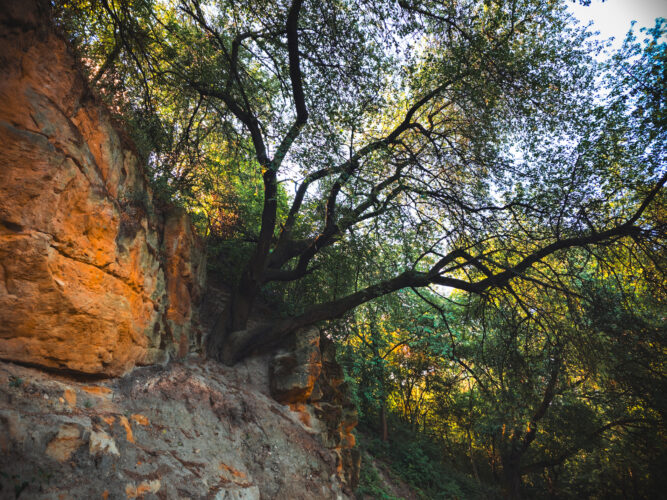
93,278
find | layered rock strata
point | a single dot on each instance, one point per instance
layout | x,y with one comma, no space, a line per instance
307,377
93,277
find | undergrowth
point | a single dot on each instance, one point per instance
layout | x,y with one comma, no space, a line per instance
414,459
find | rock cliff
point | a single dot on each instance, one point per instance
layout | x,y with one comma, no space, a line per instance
94,278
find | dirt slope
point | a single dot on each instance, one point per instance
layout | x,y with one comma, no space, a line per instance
191,429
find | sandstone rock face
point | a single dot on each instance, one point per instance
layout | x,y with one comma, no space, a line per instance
307,377
185,274
93,278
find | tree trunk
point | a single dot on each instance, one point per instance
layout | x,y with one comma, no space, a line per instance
383,422
241,304
472,458
233,319
511,479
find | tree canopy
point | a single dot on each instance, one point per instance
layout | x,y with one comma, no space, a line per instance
472,136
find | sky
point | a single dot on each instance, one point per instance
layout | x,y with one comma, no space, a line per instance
612,18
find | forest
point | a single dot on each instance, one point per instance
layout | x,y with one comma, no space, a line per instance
466,196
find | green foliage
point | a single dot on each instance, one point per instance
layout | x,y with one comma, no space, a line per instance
231,219
581,381
370,483
416,459
195,157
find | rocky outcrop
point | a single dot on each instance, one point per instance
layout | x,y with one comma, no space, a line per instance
307,377
189,429
93,277
332,405
294,371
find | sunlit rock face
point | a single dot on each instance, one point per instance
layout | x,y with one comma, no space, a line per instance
93,278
